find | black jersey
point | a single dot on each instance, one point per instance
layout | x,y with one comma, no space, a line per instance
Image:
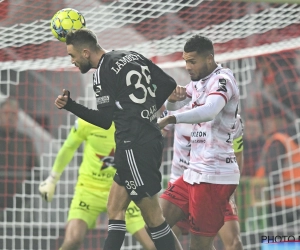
137,88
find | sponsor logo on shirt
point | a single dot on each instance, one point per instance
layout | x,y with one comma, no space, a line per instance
107,160
184,161
100,175
222,85
149,113
97,89
198,136
102,99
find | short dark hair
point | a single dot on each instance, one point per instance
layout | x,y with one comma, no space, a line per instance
81,38
201,44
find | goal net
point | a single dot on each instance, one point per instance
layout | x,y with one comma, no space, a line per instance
260,42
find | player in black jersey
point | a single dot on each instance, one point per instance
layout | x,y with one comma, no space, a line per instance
129,90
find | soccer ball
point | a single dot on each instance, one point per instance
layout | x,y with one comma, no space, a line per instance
65,20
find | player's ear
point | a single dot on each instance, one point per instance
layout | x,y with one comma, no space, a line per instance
86,53
210,59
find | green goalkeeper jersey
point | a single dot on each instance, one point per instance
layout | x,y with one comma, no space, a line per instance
97,167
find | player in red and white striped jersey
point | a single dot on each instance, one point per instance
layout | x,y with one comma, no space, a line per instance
204,190
230,232
211,140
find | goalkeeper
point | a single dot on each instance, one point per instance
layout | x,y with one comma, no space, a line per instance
95,178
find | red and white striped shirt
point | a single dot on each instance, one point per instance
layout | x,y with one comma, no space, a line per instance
212,158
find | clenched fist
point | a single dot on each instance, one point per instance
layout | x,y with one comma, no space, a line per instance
178,94
62,100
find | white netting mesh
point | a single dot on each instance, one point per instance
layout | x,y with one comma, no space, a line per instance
115,15
259,41
99,17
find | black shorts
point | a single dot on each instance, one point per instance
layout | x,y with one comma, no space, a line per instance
138,168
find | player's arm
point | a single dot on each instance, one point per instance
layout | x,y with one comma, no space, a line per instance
178,98
167,128
64,156
102,117
164,132
175,105
218,95
164,83
207,112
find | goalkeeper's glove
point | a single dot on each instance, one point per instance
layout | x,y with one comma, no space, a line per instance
47,187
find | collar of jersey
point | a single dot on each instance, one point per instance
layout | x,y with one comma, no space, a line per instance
101,59
216,69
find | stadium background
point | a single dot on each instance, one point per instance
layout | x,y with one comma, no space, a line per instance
259,41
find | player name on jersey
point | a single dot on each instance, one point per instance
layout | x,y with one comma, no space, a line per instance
124,60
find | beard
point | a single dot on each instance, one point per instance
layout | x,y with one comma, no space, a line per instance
203,72
195,79
85,67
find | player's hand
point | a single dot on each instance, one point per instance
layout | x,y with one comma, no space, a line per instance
47,187
178,94
171,119
62,100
